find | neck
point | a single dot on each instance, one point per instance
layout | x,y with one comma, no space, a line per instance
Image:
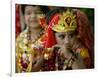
35,31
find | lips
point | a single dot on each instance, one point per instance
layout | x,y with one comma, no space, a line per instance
33,21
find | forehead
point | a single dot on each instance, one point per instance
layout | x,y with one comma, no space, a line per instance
59,33
33,8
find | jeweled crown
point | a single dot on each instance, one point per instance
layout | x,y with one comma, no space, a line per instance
66,23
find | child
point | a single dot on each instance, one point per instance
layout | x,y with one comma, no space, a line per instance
72,52
29,44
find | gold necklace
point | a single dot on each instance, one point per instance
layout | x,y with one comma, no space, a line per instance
30,39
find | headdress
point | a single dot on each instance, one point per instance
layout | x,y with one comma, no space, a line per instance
67,22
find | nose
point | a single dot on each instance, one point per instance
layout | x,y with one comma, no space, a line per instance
33,15
66,40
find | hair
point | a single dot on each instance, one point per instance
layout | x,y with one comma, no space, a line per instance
44,9
86,34
52,13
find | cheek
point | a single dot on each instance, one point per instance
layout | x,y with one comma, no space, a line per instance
72,41
27,19
38,19
59,41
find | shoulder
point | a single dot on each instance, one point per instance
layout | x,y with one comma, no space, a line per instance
22,36
21,39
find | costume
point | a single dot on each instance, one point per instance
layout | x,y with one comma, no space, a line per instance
28,51
69,21
25,49
18,28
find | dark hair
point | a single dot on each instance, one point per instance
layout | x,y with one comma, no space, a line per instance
55,11
44,9
52,13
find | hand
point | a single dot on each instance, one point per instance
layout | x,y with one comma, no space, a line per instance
37,63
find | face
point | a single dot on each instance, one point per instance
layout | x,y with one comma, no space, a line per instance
32,16
65,38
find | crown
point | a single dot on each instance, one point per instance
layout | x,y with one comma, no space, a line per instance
66,23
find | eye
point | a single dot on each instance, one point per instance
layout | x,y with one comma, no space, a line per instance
38,12
28,13
71,35
62,36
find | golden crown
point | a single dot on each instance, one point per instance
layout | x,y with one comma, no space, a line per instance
66,23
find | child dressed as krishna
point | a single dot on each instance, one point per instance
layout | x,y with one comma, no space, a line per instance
71,30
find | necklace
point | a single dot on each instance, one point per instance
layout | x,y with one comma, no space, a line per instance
30,40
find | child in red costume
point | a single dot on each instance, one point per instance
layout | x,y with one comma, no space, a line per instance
70,34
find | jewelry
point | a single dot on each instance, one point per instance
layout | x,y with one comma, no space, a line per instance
67,22
38,36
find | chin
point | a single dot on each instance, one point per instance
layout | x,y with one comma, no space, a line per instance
35,26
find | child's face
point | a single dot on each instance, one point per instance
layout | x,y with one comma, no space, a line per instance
67,38
32,16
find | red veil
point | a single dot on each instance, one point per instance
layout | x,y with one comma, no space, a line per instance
84,29
51,40
85,32
18,24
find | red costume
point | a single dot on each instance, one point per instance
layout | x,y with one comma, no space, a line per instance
18,24
83,29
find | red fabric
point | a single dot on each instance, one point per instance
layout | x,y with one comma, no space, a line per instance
42,22
85,32
51,40
84,29
18,25
54,20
